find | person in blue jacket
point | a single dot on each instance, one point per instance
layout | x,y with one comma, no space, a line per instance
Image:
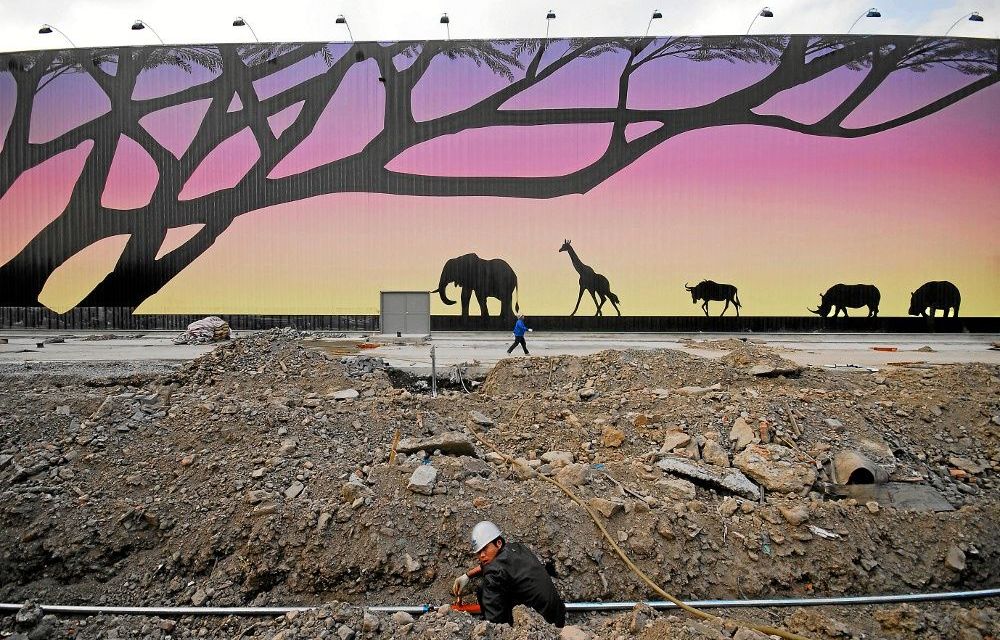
519,330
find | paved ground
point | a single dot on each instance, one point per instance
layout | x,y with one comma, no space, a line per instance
487,348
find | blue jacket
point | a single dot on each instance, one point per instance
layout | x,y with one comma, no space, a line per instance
520,328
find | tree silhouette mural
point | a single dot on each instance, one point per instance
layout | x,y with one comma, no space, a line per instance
521,64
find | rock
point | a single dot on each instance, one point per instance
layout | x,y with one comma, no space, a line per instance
728,507
665,529
323,521
345,394
294,490
573,632
678,488
401,618
587,393
423,479
746,633
168,625
449,443
873,506
354,489
28,615
955,558
411,564
573,475
369,623
605,507
794,514
775,467
199,597
5,460
642,420
742,434
640,616
661,394
612,437
833,423
966,465
344,632
729,480
697,391
766,370
481,419
288,447
674,439
557,459
713,453
522,469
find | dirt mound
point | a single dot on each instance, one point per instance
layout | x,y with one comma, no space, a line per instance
260,474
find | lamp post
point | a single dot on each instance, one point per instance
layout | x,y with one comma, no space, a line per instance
973,17
139,25
871,13
549,17
656,16
240,22
48,28
446,21
342,20
763,13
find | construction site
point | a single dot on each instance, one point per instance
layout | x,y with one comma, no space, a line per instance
302,472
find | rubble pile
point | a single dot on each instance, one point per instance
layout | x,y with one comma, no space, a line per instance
264,474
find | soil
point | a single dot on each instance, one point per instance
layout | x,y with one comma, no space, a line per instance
254,476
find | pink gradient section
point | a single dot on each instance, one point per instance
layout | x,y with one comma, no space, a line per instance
548,150
176,237
132,178
175,127
223,167
71,100
639,129
38,197
350,120
236,104
280,121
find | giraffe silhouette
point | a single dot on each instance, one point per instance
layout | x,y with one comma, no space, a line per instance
591,281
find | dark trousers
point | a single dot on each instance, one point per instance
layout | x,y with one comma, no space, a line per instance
519,340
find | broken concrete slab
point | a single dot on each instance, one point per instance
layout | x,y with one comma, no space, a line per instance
697,391
423,479
449,443
776,468
899,495
767,370
728,480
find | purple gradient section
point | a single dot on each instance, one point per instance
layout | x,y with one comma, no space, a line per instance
223,167
280,121
449,86
577,85
8,98
285,79
350,120
674,83
235,104
507,151
164,80
132,177
71,100
175,127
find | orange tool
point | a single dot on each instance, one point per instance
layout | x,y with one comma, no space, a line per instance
472,608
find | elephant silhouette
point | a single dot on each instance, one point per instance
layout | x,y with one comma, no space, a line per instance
486,278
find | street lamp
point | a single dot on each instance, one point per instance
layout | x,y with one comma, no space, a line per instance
139,25
871,13
342,20
764,13
656,16
240,22
445,21
549,17
973,17
48,28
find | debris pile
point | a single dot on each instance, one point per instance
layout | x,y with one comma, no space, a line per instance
268,472
204,331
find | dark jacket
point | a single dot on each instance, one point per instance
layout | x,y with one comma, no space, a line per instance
516,577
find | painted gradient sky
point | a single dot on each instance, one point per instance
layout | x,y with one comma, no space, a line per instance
781,215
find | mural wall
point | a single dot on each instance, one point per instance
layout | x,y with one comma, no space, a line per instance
633,176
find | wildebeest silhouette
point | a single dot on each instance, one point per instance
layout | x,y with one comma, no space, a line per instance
841,296
486,278
938,294
591,281
708,290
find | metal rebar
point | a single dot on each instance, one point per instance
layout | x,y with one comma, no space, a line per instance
570,606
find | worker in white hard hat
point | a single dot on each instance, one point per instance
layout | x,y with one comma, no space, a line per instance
511,575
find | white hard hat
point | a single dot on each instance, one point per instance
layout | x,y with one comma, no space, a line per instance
484,533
